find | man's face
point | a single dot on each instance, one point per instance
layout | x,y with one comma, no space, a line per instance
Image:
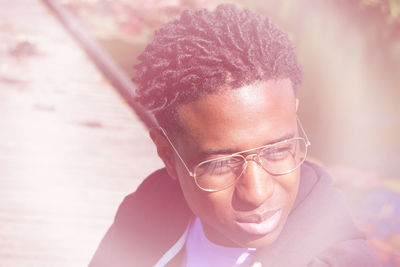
252,212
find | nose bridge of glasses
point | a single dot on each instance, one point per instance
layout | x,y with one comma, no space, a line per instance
252,157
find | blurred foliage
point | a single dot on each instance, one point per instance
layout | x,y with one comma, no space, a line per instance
124,27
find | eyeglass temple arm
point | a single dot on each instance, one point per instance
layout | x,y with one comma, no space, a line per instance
308,143
176,151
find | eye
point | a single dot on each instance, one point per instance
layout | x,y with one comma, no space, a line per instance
280,152
275,153
220,167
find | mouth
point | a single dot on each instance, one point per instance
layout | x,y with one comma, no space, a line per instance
260,224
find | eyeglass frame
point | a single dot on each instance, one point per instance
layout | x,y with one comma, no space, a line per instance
193,174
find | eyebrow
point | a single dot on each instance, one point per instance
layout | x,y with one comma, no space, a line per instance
228,151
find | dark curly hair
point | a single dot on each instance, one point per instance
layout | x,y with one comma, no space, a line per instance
204,50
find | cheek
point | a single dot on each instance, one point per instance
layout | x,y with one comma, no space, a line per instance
219,205
206,205
210,207
191,192
290,184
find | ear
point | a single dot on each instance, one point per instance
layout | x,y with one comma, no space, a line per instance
164,151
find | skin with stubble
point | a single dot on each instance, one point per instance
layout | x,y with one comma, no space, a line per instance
252,212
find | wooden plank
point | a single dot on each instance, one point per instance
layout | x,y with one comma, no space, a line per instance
70,147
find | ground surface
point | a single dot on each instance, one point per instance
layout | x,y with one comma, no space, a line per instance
70,148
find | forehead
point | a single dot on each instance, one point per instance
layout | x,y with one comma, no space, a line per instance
239,118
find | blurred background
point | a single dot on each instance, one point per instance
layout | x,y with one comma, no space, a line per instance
71,146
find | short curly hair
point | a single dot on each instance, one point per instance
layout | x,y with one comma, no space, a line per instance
203,51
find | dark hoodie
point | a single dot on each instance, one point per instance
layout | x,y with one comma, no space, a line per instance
318,232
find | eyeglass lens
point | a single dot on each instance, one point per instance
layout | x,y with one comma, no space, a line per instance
280,158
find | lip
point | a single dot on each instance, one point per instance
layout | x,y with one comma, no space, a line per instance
260,224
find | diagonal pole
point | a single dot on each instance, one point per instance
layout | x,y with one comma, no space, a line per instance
104,62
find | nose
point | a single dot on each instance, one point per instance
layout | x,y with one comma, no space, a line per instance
254,187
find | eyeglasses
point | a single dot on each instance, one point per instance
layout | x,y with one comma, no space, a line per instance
220,173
